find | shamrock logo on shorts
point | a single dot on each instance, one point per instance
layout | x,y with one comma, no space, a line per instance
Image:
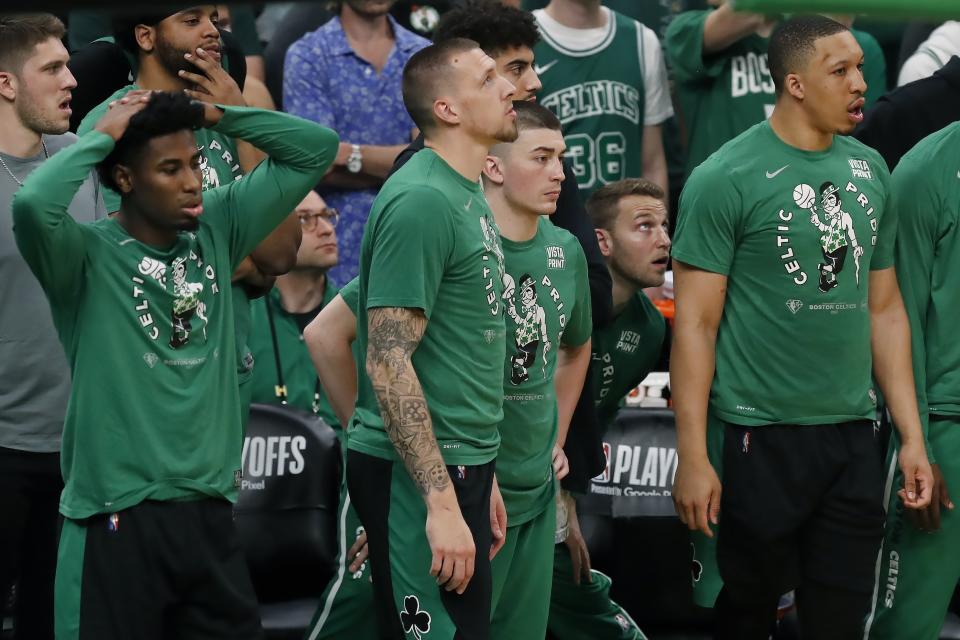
413,620
696,567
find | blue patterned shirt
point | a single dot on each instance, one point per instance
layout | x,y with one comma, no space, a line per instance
325,81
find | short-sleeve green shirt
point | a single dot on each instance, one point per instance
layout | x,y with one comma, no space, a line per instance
547,300
797,234
431,243
624,352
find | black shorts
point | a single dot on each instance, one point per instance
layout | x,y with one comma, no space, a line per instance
800,503
393,514
163,570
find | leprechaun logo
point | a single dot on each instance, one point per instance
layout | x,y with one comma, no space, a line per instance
186,304
531,328
836,228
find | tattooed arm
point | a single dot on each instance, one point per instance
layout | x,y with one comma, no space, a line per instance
393,335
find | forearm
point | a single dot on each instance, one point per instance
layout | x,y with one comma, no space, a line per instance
572,364
893,369
45,233
286,139
36,203
724,27
655,160
692,365
378,160
338,375
394,334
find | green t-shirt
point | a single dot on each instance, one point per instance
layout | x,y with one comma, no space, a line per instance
547,304
431,243
295,366
926,193
720,95
604,90
148,332
624,352
786,227
220,165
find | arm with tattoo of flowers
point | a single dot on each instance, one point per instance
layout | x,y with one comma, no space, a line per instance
394,334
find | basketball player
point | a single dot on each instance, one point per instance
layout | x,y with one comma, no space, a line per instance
780,357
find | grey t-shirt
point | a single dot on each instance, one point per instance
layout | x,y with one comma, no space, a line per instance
34,376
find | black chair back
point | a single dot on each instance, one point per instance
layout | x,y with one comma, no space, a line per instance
287,511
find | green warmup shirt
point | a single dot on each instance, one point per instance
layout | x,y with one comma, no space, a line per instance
624,352
926,193
431,243
797,234
154,411
719,95
547,301
605,85
287,365
220,165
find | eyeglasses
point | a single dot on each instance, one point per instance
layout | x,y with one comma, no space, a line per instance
308,221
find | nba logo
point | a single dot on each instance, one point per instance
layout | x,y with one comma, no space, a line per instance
746,442
605,476
113,522
462,472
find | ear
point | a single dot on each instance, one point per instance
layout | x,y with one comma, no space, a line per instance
123,176
794,86
8,85
493,170
446,112
146,37
605,240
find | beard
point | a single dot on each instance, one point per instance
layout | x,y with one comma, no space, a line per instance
36,117
509,133
363,7
629,273
171,57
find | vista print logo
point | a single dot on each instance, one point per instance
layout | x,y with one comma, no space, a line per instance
794,306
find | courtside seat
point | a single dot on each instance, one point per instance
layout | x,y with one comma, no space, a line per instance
286,513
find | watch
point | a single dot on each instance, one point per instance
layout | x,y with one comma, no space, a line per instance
355,161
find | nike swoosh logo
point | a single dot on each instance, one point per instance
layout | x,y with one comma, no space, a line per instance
469,204
542,70
774,174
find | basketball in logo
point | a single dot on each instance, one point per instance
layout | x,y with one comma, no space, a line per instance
804,196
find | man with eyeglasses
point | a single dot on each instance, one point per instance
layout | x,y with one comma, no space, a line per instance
285,373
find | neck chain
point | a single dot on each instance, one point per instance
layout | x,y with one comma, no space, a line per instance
15,179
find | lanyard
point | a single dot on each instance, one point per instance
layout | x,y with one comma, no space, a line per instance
280,389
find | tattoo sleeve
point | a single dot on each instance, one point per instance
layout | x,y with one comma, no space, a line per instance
393,336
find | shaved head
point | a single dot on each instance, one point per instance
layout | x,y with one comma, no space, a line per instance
427,75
